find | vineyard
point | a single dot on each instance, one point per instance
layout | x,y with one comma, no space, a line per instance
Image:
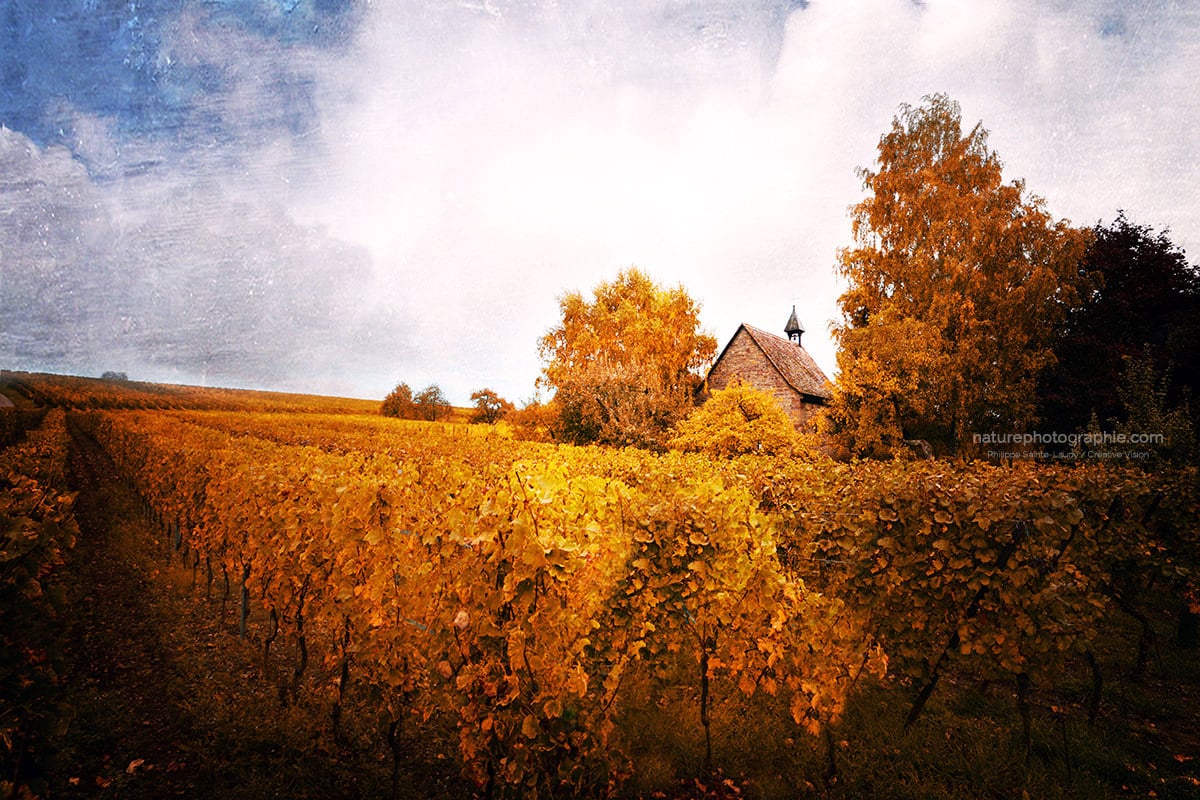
72,392
591,622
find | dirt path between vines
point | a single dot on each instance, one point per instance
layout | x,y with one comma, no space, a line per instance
167,701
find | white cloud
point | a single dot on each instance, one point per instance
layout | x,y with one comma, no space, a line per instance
181,277
491,164
531,157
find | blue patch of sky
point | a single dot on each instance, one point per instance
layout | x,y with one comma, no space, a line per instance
103,57
1112,26
322,22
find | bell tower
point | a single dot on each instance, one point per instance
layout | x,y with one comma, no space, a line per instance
793,328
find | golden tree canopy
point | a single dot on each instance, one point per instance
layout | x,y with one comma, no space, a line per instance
735,420
624,365
957,280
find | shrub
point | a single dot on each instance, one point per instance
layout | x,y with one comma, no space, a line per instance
735,420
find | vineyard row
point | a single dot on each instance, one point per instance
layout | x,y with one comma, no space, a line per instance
37,529
517,586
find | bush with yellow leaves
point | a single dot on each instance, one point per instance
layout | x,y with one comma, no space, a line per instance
736,420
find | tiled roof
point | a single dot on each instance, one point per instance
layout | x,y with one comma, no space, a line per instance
793,362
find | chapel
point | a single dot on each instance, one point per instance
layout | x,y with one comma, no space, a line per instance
776,365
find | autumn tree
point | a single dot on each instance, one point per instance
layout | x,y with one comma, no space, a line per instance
534,421
624,366
431,404
398,403
428,404
957,282
490,407
735,420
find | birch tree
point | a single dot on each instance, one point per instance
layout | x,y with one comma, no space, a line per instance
956,280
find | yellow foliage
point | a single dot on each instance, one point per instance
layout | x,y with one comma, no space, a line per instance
957,282
534,422
735,420
509,588
624,366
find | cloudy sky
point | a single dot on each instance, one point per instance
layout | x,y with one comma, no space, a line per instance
338,195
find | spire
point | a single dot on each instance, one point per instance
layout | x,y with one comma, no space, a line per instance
793,328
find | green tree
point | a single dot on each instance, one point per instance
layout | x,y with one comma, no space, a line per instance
490,407
957,282
624,366
735,420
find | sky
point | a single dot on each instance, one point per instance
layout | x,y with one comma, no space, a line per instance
335,196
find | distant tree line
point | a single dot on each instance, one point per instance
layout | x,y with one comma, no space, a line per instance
429,404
